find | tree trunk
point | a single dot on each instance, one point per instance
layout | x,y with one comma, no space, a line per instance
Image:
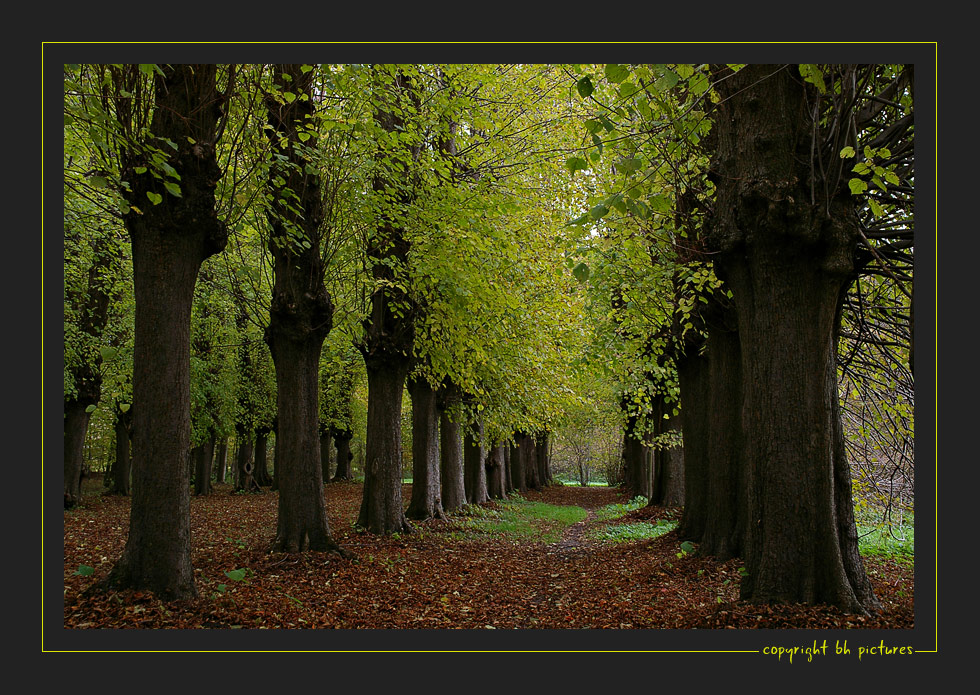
302,515
169,242
543,458
203,455
344,456
325,452
426,501
787,255
496,476
508,480
123,463
381,505
692,373
261,473
221,461
668,468
76,426
451,463
300,315
474,474
725,512
519,459
245,466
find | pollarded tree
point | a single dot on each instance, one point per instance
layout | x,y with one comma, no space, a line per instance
301,313
161,125
786,234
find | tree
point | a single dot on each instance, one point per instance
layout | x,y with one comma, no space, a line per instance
170,172
301,312
785,234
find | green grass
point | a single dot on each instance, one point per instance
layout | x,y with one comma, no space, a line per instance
887,541
519,519
615,511
636,531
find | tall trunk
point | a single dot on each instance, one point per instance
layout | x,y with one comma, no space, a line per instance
344,456
668,469
325,452
300,315
203,455
245,465
496,475
169,242
76,426
389,330
636,463
543,458
123,462
519,459
262,477
530,452
381,504
426,501
508,479
221,461
451,462
692,373
302,514
474,473
786,256
725,513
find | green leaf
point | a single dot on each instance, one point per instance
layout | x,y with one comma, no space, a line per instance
581,272
616,73
812,74
236,575
155,198
173,188
857,186
584,86
222,588
574,164
598,212
107,353
99,181
687,546
84,570
124,407
847,152
90,409
876,208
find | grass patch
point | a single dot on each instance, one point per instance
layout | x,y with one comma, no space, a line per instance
888,541
633,531
519,519
615,511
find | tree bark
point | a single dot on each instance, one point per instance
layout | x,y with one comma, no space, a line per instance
496,474
341,440
261,473
300,315
203,455
123,463
76,426
724,524
692,372
221,461
451,462
787,256
474,473
381,505
169,242
245,465
426,501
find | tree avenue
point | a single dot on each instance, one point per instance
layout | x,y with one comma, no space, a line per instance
704,271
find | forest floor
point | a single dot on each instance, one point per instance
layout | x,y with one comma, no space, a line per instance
446,574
